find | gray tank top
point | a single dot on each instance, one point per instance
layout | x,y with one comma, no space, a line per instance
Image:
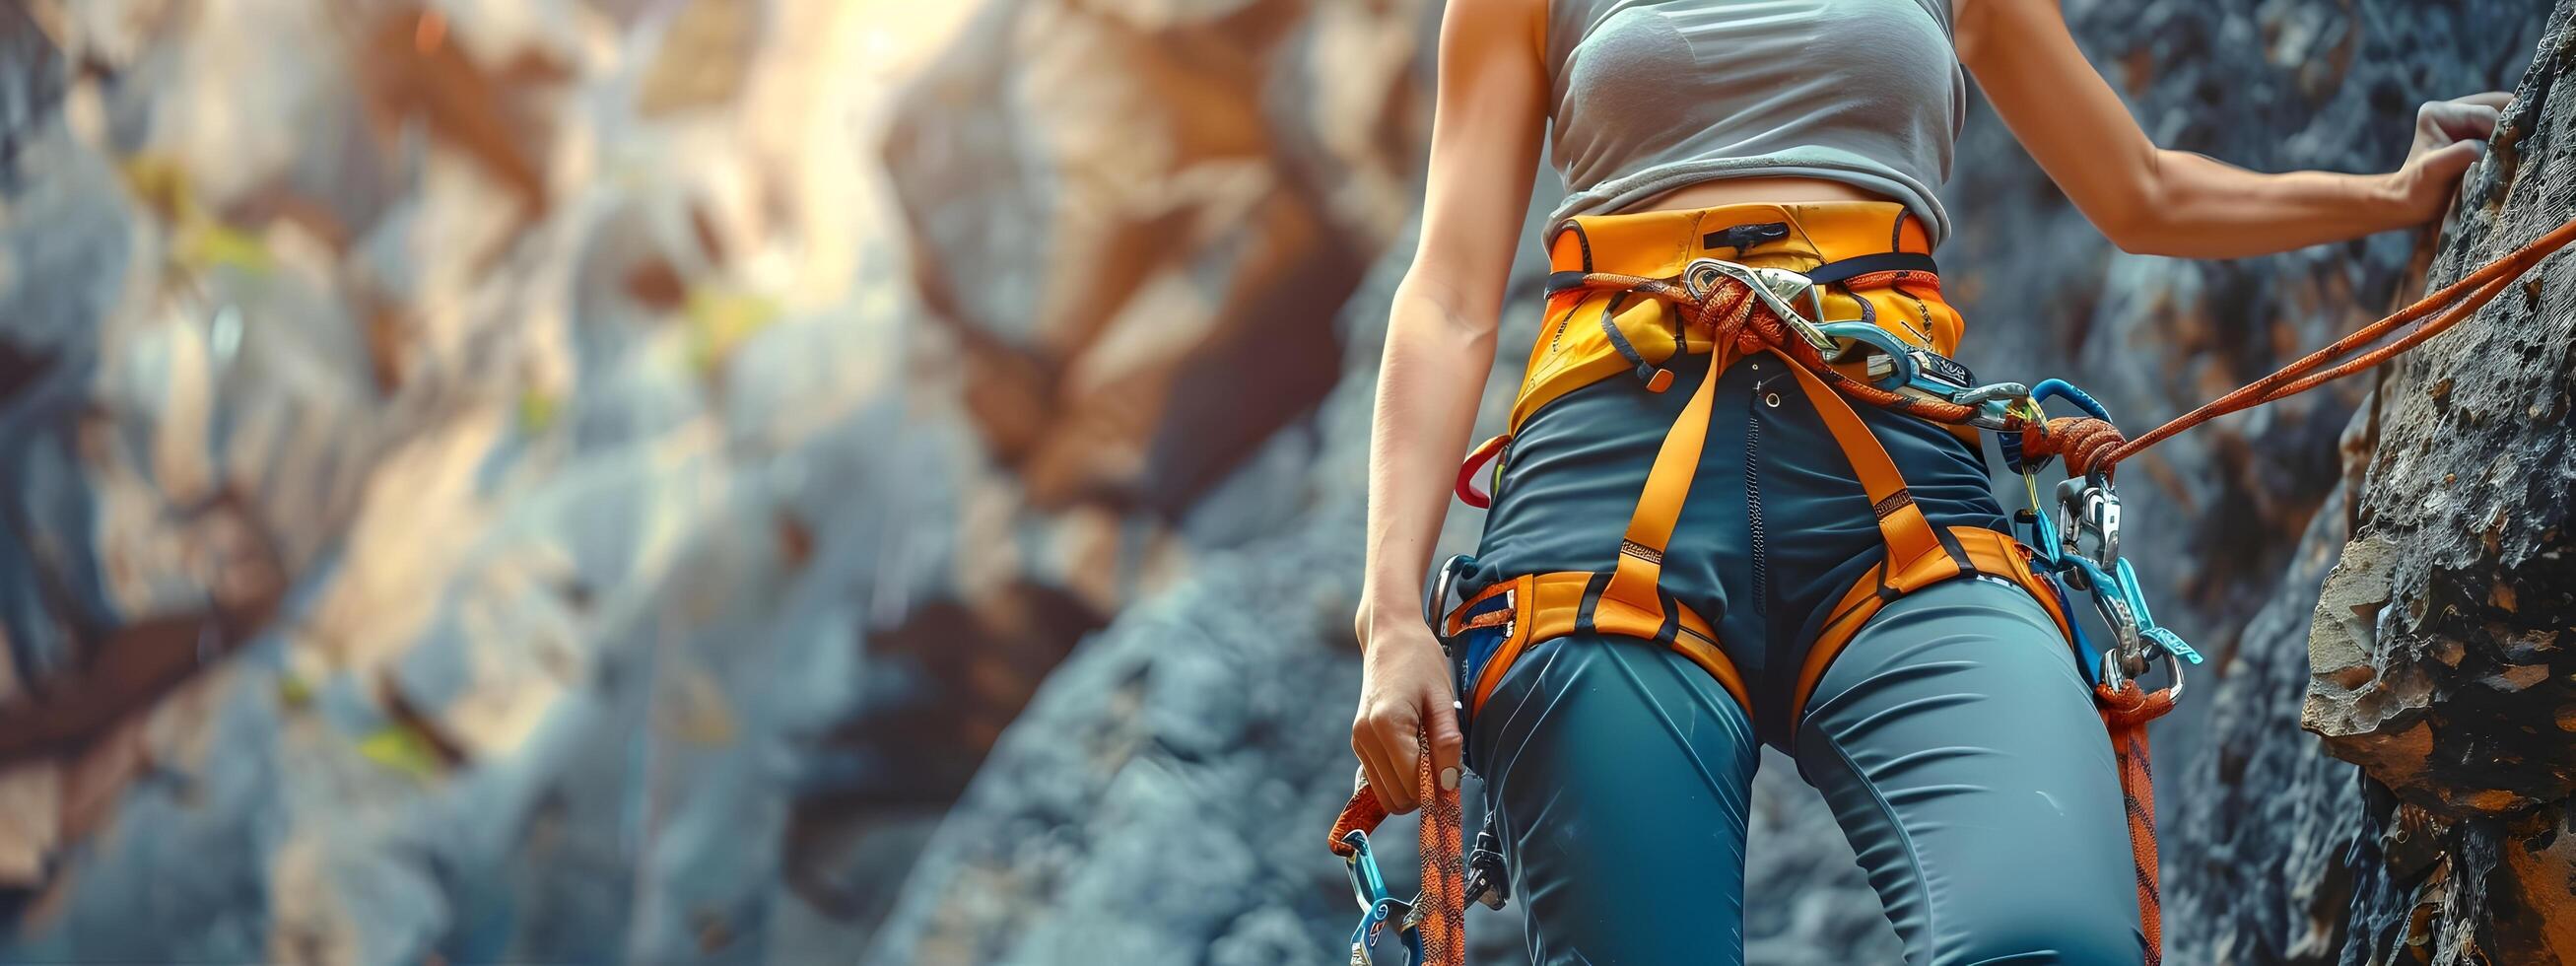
1653,95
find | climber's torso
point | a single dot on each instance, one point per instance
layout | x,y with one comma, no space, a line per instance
1664,104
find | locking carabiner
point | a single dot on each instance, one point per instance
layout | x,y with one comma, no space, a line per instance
2088,507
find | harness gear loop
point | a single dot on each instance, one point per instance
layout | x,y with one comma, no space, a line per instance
1483,456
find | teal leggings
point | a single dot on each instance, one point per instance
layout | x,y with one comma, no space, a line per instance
1954,737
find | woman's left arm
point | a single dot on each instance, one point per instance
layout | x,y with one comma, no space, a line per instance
2159,202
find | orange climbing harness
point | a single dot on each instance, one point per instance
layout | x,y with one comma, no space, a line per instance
1670,303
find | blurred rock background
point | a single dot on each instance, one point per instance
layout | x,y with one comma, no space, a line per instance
768,481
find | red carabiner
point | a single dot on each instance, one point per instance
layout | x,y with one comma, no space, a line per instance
1483,456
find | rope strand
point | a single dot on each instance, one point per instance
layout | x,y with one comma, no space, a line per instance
2088,444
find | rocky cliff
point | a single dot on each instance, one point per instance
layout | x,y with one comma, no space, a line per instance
453,473
2436,661
518,495
2427,657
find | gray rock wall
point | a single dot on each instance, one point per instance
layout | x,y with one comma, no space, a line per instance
536,402
536,504
2436,661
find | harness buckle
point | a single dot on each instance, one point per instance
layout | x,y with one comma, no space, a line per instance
1776,287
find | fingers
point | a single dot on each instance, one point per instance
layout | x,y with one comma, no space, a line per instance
2494,99
2442,122
1387,739
2445,164
1447,744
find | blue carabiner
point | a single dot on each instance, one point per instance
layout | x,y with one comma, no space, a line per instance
1378,909
2120,583
2039,396
2171,642
2061,389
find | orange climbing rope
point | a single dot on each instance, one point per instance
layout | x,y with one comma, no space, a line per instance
2089,444
2125,712
1440,912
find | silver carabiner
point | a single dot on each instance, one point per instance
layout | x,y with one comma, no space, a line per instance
2087,507
2130,648
2114,675
1436,608
1774,286
1994,403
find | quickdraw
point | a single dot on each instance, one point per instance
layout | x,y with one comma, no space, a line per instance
1755,309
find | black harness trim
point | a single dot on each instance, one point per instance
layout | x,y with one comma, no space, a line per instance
1741,237
1858,265
1591,601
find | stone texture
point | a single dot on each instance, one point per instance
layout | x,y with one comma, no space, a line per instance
2446,611
661,522
2435,660
1134,233
386,573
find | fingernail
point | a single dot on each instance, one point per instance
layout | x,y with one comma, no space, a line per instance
1449,778
2480,148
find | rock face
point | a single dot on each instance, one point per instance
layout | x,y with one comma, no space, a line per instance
447,465
2439,660
1125,234
529,501
489,484
2416,658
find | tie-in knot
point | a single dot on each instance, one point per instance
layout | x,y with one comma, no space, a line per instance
2084,441
2130,704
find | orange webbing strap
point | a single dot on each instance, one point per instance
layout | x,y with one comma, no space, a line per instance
2125,712
1441,910
1901,523
1547,606
1988,552
1631,605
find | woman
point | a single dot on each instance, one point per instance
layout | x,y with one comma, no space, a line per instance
1617,684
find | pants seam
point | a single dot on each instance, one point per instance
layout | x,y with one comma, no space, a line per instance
1904,837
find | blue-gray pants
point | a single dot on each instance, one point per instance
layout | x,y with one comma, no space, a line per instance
1953,737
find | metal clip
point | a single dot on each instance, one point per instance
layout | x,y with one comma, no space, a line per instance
1378,909
1488,878
1444,581
1914,371
1995,403
1776,287
2114,675
2089,508
2138,641
2127,654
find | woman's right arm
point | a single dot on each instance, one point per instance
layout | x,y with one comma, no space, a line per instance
1486,123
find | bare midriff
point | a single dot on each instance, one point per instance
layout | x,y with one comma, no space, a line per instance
1737,191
